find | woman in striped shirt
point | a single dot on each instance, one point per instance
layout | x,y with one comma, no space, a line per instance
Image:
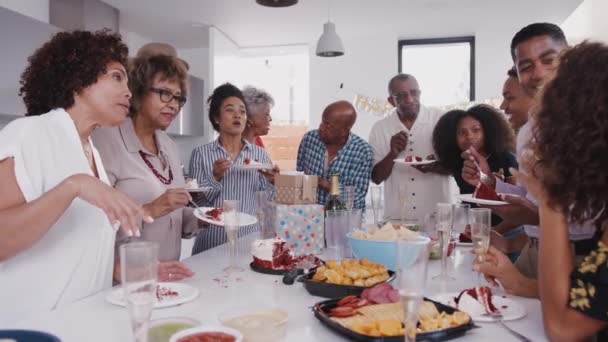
218,164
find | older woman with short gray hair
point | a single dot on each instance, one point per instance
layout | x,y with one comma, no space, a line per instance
258,103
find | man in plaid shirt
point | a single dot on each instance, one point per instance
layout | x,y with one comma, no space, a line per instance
333,148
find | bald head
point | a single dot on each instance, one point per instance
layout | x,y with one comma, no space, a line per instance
341,112
338,118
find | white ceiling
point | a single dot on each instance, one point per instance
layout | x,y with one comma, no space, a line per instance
250,25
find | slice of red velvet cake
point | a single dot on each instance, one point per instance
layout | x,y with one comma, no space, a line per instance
483,191
271,254
476,301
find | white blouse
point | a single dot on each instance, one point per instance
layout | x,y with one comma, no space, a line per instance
74,259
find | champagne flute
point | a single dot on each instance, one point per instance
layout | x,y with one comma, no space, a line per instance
231,226
480,232
376,198
139,272
412,261
443,225
348,197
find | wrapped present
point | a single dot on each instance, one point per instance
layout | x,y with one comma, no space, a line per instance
301,226
295,188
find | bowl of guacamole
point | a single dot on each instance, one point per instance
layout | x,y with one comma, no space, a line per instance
161,329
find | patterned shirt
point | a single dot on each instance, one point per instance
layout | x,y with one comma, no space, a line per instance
353,163
237,184
589,282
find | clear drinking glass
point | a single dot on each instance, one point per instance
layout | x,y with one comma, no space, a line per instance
348,197
139,271
412,261
480,219
336,229
262,203
461,217
376,198
443,224
231,226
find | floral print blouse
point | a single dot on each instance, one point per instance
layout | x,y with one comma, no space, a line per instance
589,282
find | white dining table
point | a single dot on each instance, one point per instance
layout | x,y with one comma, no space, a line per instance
93,319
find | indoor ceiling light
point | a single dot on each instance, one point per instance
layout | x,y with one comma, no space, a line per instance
329,44
277,3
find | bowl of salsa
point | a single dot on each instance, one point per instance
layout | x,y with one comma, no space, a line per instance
208,334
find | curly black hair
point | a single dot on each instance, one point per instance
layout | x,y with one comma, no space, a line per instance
216,99
142,71
571,135
498,135
66,64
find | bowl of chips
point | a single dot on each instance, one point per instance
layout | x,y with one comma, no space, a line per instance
379,245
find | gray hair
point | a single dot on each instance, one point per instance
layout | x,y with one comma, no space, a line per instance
256,97
398,77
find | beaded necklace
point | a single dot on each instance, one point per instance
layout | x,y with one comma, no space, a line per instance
156,173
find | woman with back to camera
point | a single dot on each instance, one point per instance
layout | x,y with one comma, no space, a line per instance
565,170
143,161
58,212
218,164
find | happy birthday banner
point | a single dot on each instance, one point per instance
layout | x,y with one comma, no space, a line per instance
381,107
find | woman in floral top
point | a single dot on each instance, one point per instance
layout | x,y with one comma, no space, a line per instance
567,171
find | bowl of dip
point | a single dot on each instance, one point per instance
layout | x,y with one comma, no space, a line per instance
162,329
208,334
257,324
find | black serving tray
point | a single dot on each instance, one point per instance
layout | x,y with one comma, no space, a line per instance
321,308
327,290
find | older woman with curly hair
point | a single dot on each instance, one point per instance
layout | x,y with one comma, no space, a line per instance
58,212
258,104
143,161
219,164
480,128
566,172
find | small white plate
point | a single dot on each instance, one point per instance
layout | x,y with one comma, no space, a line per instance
244,219
201,189
510,309
254,166
186,293
413,163
470,199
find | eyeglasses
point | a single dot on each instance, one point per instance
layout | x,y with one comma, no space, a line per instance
167,96
415,93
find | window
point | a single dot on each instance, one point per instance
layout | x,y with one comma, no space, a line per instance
444,68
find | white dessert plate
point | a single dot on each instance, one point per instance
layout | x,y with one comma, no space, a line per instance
254,166
510,309
470,199
413,163
185,294
201,189
244,219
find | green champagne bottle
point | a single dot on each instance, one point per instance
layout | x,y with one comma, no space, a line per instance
333,200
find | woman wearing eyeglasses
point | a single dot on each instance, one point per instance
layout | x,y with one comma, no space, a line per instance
142,161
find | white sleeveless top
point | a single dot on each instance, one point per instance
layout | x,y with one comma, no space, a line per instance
74,259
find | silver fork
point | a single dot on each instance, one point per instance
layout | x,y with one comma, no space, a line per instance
498,317
482,176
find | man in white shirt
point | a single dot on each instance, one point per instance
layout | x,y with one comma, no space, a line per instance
409,192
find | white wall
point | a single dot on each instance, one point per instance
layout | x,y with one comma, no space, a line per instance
37,9
588,22
369,62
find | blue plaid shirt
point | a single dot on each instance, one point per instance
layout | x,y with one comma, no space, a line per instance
353,163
